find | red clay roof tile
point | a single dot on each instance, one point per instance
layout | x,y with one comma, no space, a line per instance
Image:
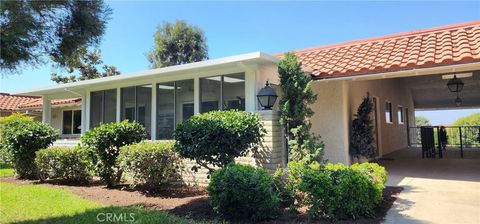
447,45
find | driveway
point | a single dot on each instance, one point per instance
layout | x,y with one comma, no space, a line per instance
435,190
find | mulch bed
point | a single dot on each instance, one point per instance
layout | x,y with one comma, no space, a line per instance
188,202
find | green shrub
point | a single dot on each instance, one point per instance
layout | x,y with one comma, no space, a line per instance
376,173
216,138
22,137
106,140
6,157
336,191
150,163
71,164
242,191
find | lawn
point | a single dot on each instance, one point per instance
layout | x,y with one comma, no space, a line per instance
6,171
40,204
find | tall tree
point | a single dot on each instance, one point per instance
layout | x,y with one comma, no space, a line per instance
422,121
297,96
176,44
34,31
361,139
86,64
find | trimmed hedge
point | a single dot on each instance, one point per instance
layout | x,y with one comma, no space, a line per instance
71,164
242,191
150,163
22,137
216,138
336,191
106,140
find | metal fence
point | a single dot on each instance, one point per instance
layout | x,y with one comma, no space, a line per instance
457,136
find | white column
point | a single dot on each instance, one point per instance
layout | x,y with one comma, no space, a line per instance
250,91
86,122
118,115
153,129
84,114
196,95
46,110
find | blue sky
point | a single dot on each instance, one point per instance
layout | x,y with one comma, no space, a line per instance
241,27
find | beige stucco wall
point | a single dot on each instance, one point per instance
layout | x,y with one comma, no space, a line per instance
392,136
330,119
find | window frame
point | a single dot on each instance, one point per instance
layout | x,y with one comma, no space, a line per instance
400,114
221,107
102,116
389,119
73,121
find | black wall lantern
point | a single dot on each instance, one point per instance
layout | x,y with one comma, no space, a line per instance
267,97
455,85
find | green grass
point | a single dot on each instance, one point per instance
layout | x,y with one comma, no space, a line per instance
6,172
40,204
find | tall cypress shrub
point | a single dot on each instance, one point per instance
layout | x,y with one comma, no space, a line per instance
297,96
362,139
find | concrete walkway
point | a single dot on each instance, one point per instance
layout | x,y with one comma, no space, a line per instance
435,190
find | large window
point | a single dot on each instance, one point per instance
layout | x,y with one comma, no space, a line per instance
103,107
136,105
223,92
388,112
400,115
174,105
72,122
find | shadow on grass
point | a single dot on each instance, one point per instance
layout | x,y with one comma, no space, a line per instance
135,214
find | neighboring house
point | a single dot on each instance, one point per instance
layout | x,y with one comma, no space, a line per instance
402,72
66,114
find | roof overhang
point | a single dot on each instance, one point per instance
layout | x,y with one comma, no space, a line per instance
255,58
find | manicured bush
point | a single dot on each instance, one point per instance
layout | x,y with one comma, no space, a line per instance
106,140
22,137
336,191
6,157
216,138
242,191
150,163
376,173
71,164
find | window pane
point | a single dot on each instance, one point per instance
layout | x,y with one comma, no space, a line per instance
184,100
144,107
210,93
400,114
128,103
110,106
234,91
96,108
77,122
67,122
165,110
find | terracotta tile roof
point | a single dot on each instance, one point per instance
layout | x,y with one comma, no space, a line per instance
39,102
15,102
11,102
447,45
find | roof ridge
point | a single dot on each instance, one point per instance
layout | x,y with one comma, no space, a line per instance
390,36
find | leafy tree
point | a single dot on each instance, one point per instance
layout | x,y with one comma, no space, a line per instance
421,121
86,65
295,110
362,140
176,44
470,135
32,31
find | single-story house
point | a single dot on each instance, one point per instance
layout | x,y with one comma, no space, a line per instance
402,72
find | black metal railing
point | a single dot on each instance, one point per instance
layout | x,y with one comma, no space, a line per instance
456,137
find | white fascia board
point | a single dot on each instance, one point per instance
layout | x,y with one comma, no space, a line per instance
255,57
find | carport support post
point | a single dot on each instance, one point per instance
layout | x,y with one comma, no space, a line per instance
46,110
439,143
461,142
